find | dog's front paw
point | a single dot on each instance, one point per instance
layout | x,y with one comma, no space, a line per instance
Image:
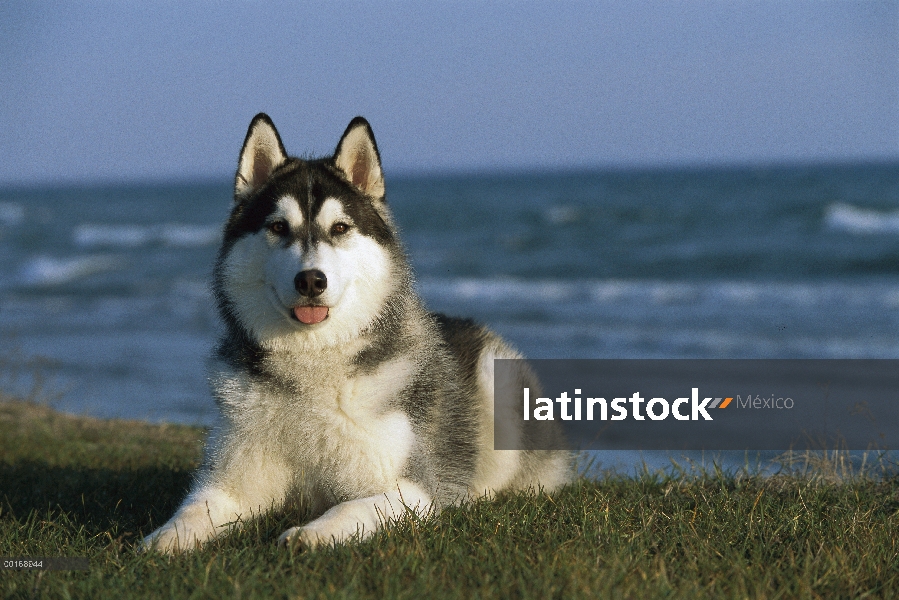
302,537
170,539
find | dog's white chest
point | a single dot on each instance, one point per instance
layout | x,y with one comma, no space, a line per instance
346,430
363,427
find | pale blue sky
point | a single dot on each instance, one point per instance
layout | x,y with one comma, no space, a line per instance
165,90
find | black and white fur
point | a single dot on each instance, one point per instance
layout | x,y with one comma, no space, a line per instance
373,409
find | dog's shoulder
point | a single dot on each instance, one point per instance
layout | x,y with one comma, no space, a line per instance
464,338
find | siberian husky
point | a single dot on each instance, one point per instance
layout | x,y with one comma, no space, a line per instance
333,382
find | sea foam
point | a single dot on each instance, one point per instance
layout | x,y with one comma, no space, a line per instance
132,236
45,270
853,219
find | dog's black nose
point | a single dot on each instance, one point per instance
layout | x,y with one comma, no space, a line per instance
310,283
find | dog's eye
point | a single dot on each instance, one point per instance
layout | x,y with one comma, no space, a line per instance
339,228
278,227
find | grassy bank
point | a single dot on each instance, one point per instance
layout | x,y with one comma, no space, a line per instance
72,486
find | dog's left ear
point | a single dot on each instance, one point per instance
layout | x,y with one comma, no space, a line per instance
358,159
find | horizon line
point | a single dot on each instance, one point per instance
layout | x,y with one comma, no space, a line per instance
407,173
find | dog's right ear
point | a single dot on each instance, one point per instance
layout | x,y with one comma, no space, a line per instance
261,154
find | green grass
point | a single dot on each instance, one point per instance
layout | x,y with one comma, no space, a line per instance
72,486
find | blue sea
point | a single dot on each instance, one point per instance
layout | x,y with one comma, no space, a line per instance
105,300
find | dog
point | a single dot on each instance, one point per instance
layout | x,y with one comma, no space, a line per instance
334,383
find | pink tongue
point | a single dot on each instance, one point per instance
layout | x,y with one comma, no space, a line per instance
311,314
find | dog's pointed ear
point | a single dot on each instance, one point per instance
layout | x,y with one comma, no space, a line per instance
358,159
261,154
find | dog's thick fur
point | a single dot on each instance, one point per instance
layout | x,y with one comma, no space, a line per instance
334,383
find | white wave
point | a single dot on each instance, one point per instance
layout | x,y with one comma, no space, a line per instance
177,234
609,291
45,270
850,218
11,213
502,289
562,214
673,293
661,293
132,236
112,235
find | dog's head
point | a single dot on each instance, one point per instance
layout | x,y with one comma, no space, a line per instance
310,254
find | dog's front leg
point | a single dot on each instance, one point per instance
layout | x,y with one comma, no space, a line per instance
204,514
226,496
360,516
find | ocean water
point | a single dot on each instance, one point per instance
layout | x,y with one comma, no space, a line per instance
104,289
